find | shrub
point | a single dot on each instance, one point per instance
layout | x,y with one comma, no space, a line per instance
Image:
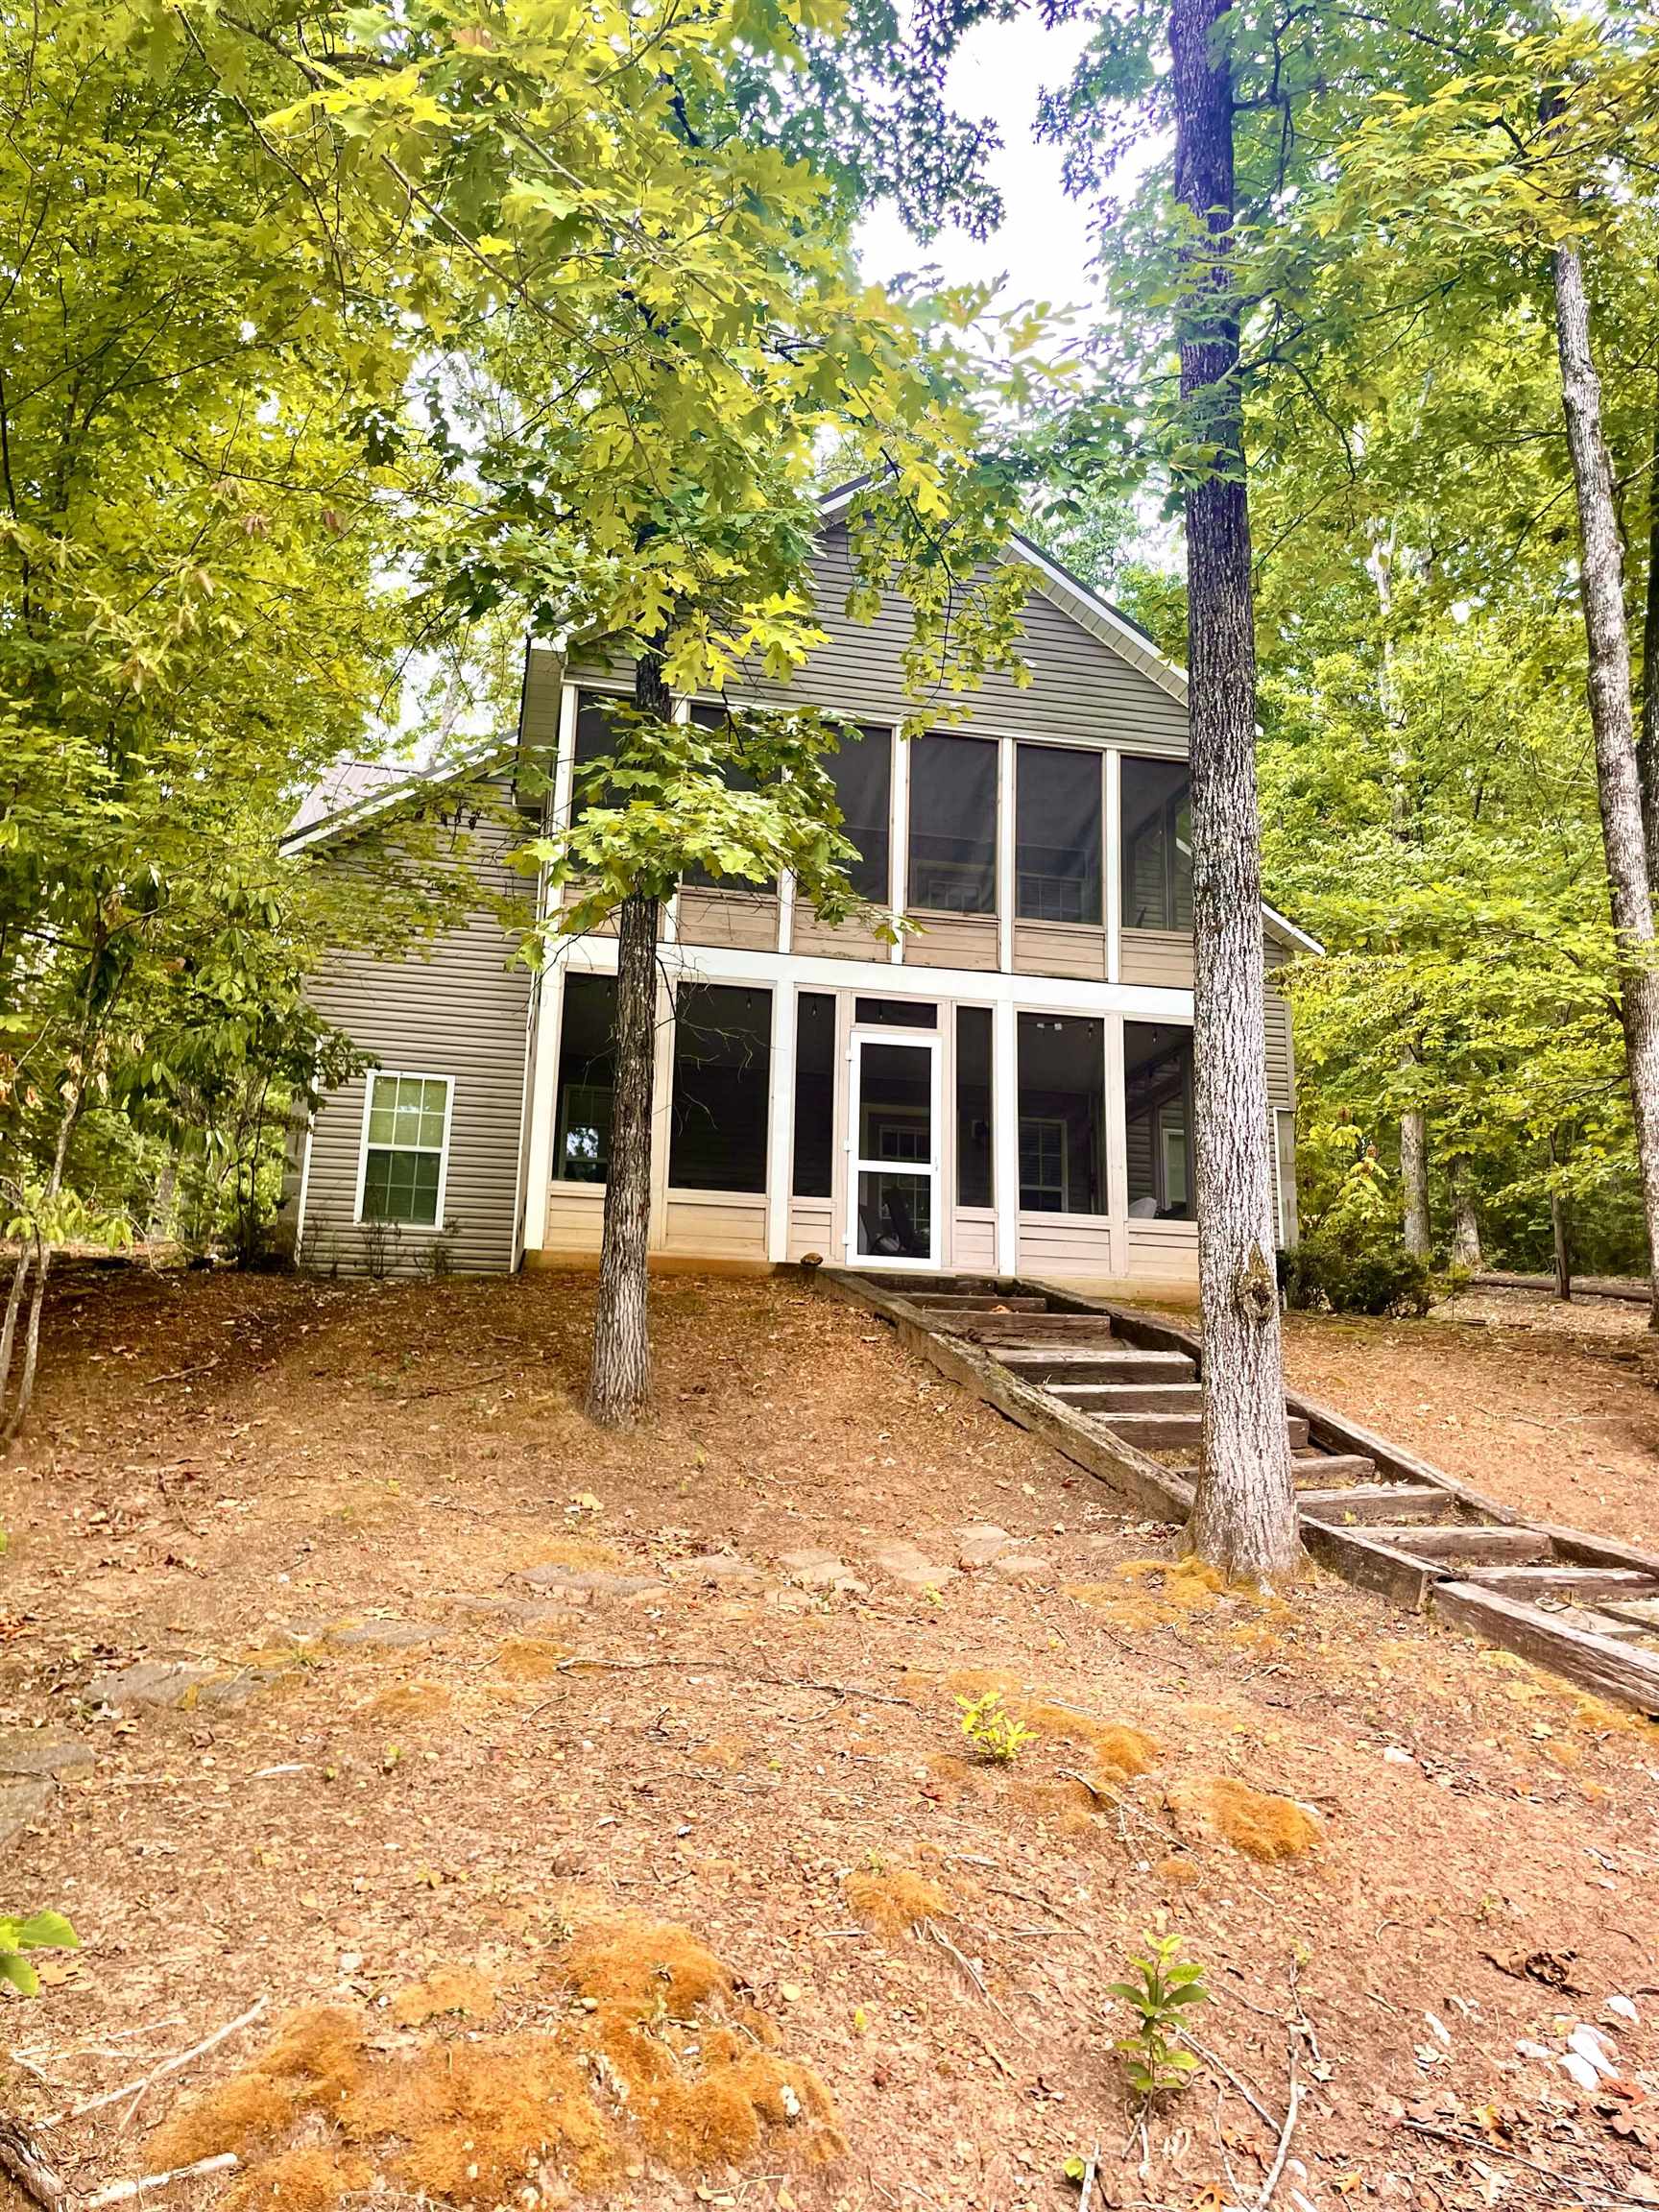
1355,1274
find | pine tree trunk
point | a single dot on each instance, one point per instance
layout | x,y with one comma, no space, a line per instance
1414,1180
1465,1222
1244,1512
619,1380
1601,588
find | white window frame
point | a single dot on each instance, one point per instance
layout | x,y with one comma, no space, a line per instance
434,1228
1180,1140
932,1169
1050,1122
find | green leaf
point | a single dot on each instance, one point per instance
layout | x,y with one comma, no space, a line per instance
47,1932
19,1973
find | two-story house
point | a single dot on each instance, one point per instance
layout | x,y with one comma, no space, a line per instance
1008,1090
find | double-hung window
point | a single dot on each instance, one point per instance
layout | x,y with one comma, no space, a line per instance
405,1149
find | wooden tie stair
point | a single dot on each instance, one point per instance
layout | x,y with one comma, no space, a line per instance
1121,1391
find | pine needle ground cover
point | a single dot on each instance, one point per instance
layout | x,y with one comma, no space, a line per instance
584,1852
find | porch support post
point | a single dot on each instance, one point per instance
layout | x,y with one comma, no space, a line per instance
1116,1146
1006,787
663,1101
542,1074
1005,1134
899,877
1112,877
780,1145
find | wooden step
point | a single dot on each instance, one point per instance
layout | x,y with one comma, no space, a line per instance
1469,1542
1640,1615
1033,1331
978,1302
1330,1470
1129,1397
1611,1665
1312,1470
1164,1432
1379,1502
1121,1364
1587,1584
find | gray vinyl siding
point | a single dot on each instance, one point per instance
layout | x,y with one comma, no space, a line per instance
1080,688
461,1009
1280,1062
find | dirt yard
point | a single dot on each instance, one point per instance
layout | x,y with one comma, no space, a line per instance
1551,1408
590,1819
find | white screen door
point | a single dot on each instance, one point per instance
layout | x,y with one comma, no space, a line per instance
893,1151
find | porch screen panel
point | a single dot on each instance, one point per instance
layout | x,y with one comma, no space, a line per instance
586,1078
735,778
1158,1114
600,735
722,1062
953,825
861,770
973,1105
813,1170
1057,835
1157,845
1062,1114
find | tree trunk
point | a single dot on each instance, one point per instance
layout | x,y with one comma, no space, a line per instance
42,1266
1465,1222
161,1208
1244,1510
1560,1227
1601,588
19,1412
1414,1178
619,1381
1413,1128
1647,744
1561,1231
14,1308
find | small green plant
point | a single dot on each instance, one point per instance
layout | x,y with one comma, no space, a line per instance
39,1932
991,1729
1163,1987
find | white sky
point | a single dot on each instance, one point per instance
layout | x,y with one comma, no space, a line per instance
1042,251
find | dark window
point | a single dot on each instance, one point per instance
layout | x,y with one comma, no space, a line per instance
973,1105
1158,1108
861,769
1157,857
814,1094
895,1013
1061,1113
953,826
722,1064
597,738
587,1076
736,779
1057,835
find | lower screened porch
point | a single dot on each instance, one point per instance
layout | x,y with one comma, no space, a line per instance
872,1116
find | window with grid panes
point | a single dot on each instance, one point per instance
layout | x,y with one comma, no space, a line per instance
403,1161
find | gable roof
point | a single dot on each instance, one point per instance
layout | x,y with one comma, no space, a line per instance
1071,595
355,793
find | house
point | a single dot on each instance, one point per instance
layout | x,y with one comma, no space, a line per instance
1008,1090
